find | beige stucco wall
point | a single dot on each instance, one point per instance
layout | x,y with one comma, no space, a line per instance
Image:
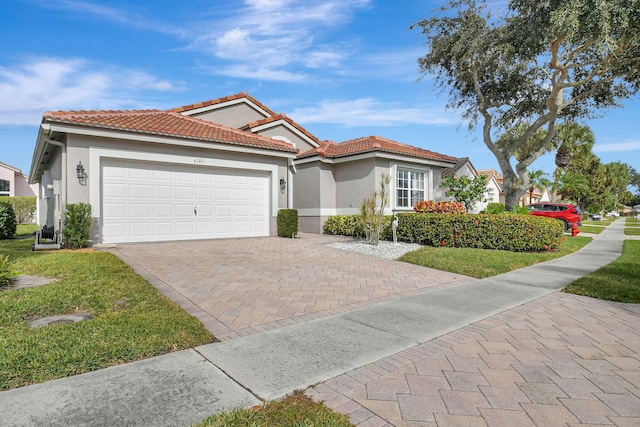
235,116
281,131
355,181
314,195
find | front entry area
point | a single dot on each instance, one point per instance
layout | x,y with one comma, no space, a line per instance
147,202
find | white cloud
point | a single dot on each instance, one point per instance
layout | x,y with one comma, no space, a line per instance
370,112
617,146
278,36
40,84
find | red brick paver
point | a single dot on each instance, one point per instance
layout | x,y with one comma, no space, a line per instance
239,287
561,360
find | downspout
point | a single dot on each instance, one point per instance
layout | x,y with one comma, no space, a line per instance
290,170
62,197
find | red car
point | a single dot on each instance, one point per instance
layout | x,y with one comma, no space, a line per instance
567,213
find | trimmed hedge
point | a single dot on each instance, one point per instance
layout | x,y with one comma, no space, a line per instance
517,233
351,225
287,222
24,207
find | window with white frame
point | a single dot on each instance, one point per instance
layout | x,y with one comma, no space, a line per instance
5,187
411,187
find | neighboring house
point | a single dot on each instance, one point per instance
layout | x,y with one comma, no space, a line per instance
221,168
496,182
494,188
14,183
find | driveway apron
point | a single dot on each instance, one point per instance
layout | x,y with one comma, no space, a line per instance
239,287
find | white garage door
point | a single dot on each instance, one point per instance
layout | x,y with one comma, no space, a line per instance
144,202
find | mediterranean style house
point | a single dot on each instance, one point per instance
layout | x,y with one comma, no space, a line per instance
216,169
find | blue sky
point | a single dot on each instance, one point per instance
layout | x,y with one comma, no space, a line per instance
341,68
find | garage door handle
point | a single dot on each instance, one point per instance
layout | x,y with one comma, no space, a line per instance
195,210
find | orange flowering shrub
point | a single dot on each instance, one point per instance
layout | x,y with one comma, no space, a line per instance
429,206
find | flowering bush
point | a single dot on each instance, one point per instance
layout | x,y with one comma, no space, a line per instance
429,206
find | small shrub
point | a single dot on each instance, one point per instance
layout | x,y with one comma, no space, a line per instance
429,206
287,222
5,271
494,208
344,225
7,220
519,210
77,223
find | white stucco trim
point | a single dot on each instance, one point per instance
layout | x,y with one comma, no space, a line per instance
97,154
378,154
176,141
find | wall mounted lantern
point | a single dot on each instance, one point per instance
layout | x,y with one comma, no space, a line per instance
80,172
283,185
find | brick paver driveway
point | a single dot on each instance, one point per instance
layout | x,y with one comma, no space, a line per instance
242,286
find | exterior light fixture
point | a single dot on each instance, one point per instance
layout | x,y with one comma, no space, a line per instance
80,171
283,185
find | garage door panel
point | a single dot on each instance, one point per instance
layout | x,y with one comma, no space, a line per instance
185,228
184,192
163,210
166,175
163,192
139,191
115,210
147,202
204,194
140,229
139,210
223,194
163,229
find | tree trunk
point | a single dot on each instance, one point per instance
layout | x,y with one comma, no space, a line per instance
511,198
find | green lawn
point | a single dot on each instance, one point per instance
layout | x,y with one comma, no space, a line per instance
591,229
296,410
603,223
632,221
617,281
632,231
132,320
481,263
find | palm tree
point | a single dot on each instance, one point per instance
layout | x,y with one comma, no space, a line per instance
572,140
537,179
573,185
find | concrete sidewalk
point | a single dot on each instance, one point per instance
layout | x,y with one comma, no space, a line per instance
185,387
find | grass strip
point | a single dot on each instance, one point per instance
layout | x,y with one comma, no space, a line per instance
632,231
481,263
591,229
131,319
296,410
618,281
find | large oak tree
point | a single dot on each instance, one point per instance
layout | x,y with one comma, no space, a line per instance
543,61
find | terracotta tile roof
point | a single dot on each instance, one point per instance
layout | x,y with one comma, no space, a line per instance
276,118
165,123
330,149
223,100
